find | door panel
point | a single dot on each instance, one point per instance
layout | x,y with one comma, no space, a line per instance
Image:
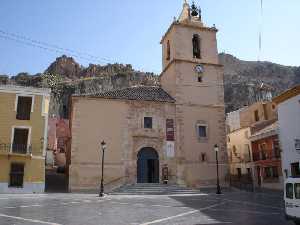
156,171
147,166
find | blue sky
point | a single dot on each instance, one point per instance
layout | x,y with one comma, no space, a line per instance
129,31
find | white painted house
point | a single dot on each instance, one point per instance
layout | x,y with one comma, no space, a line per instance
289,130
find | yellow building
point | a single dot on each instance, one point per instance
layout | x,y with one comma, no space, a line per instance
23,138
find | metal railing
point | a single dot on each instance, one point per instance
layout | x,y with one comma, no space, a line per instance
20,149
272,154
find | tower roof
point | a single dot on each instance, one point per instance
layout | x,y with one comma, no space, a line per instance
190,14
185,13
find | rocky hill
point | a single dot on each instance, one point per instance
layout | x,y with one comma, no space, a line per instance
242,79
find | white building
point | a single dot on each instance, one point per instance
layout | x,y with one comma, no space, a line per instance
239,151
289,130
233,120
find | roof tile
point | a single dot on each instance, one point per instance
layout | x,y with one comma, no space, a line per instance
142,93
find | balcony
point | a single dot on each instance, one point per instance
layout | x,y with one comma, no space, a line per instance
15,149
272,154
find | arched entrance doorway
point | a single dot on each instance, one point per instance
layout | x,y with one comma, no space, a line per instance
147,166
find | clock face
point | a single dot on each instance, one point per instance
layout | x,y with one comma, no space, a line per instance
199,69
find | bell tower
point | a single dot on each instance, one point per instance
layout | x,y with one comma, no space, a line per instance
192,46
193,76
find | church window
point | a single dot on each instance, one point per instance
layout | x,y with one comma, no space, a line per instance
168,51
148,122
203,157
196,46
202,131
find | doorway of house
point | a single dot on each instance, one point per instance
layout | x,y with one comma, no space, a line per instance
147,166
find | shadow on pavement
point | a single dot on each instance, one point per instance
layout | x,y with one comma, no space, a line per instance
238,207
56,182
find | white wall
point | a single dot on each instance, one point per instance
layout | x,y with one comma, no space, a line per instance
233,120
289,130
239,139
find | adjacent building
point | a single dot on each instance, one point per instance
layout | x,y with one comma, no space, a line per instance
59,141
288,104
253,145
161,132
23,138
266,155
239,152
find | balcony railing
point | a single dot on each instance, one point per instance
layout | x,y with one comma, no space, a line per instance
20,149
266,155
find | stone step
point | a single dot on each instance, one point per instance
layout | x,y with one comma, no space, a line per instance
153,189
156,191
141,190
157,188
144,190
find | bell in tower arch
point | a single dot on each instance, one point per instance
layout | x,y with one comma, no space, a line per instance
194,10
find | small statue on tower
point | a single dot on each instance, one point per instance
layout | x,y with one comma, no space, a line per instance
200,12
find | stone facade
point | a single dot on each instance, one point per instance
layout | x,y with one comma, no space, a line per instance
124,134
191,96
198,101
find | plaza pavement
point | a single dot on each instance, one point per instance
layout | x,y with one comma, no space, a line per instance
232,207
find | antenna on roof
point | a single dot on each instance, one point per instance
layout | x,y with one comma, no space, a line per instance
260,31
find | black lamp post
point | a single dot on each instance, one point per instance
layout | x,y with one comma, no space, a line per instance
216,148
103,147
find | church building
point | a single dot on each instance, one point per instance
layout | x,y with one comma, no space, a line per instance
157,134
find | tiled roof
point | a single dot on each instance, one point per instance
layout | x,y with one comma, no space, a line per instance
287,94
142,93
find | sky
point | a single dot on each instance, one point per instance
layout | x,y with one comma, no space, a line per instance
129,31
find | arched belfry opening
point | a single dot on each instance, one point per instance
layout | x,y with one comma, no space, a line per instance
147,166
168,50
196,46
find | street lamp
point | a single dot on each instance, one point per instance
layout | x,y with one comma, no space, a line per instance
216,148
103,147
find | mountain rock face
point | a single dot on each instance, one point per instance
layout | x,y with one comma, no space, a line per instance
66,67
92,79
243,80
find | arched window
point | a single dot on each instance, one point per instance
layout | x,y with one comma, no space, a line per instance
196,46
168,51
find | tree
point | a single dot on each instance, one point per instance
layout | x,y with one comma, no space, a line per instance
54,82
